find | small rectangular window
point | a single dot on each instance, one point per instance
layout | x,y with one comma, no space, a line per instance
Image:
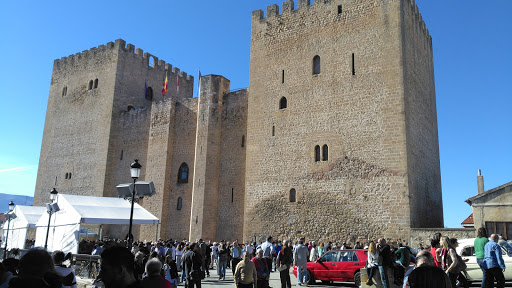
282,78
353,65
122,152
232,195
273,130
339,9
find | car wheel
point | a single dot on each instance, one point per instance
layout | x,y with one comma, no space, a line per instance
311,279
357,279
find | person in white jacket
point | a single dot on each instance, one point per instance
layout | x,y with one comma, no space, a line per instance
313,254
372,262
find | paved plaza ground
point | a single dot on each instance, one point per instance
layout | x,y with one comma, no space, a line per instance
214,282
275,282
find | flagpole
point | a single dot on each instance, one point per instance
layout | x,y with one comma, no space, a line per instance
199,84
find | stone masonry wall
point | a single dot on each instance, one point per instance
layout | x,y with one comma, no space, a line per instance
205,193
232,166
159,157
423,235
134,72
356,110
178,226
421,118
77,125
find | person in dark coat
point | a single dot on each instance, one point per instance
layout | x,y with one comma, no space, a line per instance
193,262
118,268
385,261
285,258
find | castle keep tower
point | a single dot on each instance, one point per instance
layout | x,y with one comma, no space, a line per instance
342,127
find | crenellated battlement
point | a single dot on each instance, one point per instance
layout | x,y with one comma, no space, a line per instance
84,55
288,7
121,46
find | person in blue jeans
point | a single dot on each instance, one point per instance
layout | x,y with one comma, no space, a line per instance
300,259
493,263
223,254
480,241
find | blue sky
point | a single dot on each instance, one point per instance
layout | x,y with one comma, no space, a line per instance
472,42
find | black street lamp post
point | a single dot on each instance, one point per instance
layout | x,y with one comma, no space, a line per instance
50,208
9,216
135,173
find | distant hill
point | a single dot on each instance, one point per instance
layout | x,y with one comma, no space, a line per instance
17,199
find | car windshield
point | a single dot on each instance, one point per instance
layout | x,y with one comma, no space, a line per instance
507,249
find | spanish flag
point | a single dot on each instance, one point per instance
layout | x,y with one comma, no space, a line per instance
164,86
177,83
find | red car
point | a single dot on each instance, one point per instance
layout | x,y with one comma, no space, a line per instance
337,265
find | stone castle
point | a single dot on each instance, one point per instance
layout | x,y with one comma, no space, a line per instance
335,138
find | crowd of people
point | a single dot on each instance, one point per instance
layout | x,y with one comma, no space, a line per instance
437,266
169,263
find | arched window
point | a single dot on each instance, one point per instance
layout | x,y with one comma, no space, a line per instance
66,176
283,103
293,195
130,108
149,94
96,83
317,153
69,177
325,153
65,91
316,65
179,204
243,140
183,173
90,85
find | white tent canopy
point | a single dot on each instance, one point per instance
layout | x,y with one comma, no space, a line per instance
26,217
75,210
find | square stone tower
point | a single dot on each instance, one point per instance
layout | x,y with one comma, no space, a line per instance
98,121
342,127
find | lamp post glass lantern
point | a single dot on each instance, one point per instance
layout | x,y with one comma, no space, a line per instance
9,216
135,169
53,195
